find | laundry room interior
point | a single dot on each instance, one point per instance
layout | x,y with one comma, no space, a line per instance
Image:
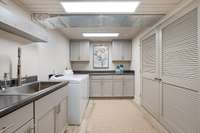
99,66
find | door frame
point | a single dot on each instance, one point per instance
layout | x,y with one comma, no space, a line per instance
158,39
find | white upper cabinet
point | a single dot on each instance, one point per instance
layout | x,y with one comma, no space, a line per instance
80,50
121,50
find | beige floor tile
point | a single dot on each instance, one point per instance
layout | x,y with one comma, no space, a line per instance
116,116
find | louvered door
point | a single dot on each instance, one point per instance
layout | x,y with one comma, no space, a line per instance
180,75
150,84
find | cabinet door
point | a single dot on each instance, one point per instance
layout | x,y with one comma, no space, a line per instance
61,116
27,128
16,119
128,87
126,50
118,88
107,88
150,83
84,50
116,51
75,51
46,124
96,90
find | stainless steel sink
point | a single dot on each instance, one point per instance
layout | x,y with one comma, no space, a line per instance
28,89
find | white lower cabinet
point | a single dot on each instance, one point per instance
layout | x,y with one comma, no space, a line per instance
117,87
27,128
51,112
46,124
19,121
61,116
112,86
129,83
107,88
95,90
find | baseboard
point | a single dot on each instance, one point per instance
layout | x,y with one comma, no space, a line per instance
110,98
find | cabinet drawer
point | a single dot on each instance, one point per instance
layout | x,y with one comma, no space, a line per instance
16,119
27,128
102,77
118,76
48,102
129,77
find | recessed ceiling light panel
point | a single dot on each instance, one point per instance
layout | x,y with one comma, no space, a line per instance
100,34
100,7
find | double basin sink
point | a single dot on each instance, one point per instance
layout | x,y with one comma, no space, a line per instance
29,89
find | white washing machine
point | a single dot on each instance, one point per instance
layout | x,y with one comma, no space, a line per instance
78,96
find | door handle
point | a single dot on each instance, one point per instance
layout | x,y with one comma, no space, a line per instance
159,79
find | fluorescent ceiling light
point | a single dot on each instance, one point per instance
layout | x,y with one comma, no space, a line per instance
100,34
101,7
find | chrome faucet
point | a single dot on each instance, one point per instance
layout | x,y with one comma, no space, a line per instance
5,85
19,78
5,80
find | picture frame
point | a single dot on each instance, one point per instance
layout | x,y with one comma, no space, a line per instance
100,57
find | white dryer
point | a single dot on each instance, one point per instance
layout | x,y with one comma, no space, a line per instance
78,95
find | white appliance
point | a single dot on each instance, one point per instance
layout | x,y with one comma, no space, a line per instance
78,96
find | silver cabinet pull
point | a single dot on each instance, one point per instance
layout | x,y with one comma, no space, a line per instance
159,79
29,130
58,108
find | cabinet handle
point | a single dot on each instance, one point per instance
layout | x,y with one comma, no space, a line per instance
29,130
159,79
3,130
58,109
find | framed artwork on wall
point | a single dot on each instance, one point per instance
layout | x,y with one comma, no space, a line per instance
100,56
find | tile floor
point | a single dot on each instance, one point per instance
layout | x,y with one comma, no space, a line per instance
116,116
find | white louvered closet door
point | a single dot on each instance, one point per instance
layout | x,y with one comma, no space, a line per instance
150,84
180,75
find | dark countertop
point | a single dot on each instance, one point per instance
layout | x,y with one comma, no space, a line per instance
107,72
10,103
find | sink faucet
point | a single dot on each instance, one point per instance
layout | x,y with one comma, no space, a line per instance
19,79
5,85
5,80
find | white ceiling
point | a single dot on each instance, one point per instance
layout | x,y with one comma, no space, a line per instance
153,10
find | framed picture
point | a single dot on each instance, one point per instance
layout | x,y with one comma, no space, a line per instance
100,56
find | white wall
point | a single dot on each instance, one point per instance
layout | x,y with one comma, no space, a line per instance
136,67
89,65
54,55
8,46
37,58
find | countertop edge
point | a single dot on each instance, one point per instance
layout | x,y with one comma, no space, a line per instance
32,98
107,72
